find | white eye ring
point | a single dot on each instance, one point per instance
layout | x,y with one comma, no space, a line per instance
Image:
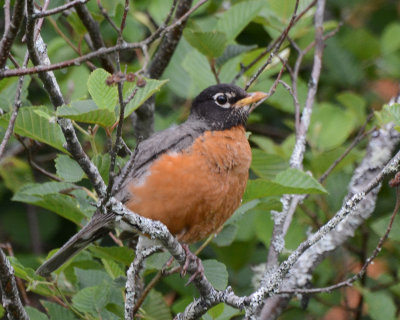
223,100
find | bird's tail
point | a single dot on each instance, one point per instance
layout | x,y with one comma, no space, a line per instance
97,227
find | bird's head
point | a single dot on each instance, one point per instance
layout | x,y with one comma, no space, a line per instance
224,106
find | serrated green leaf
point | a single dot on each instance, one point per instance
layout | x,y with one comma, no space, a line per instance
157,260
266,165
57,312
91,299
216,273
198,67
211,44
113,269
92,278
105,96
380,305
226,236
46,195
35,314
155,308
151,87
121,254
8,88
389,113
68,169
87,111
32,124
103,162
290,181
238,17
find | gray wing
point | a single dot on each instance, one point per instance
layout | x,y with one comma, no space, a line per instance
174,139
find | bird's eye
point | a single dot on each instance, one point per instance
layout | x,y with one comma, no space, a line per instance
221,99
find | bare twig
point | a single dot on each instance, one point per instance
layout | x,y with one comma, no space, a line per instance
58,9
100,52
10,297
270,47
13,118
11,30
94,32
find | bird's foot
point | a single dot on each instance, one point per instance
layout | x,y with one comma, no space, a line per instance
191,257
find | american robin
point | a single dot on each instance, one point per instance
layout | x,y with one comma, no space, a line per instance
190,177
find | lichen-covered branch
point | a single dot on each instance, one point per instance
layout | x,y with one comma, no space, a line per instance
9,292
290,202
365,185
38,54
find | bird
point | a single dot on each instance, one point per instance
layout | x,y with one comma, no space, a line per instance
191,177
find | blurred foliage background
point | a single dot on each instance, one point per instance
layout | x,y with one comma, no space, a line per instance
361,71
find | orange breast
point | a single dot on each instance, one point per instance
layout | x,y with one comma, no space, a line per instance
195,191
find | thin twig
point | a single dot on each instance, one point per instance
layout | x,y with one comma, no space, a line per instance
276,48
243,69
107,17
59,9
100,52
11,30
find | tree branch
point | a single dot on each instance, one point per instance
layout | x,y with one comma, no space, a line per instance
94,33
11,31
8,287
290,202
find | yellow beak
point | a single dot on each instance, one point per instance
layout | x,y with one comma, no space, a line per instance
251,98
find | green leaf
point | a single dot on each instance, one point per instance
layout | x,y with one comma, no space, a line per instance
35,314
290,181
211,44
198,67
37,123
216,273
380,225
113,269
233,51
87,111
380,305
103,162
157,260
355,104
57,312
267,165
2,311
238,17
389,113
226,236
155,308
92,278
330,126
15,173
46,195
91,299
68,169
151,87
105,96
120,254
390,40
8,88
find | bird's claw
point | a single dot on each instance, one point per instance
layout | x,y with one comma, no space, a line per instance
190,257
